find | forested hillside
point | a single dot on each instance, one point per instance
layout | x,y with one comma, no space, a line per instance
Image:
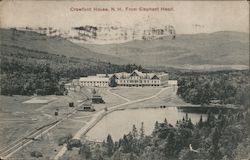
26,71
224,87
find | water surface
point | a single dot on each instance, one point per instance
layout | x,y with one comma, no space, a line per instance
120,122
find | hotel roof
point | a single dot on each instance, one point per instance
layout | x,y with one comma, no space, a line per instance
94,78
123,75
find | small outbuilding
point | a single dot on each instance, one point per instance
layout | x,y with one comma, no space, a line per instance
96,99
71,104
87,107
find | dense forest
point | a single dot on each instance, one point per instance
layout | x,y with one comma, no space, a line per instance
225,136
27,72
224,87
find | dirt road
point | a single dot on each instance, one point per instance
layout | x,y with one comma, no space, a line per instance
100,114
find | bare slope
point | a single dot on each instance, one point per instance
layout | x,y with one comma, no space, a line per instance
53,45
219,48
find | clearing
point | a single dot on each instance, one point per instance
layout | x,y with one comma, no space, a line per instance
134,93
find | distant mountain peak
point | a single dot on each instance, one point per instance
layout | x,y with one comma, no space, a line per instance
106,34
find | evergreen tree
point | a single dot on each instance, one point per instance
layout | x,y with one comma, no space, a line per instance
170,145
166,121
134,132
200,123
156,126
125,144
186,117
190,124
110,145
214,150
142,134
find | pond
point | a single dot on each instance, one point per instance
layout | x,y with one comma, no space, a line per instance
120,122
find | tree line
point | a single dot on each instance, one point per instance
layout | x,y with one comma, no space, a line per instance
227,87
212,138
28,72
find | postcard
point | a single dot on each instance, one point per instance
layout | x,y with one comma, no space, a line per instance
124,80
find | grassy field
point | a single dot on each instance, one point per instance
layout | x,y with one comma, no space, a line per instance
15,104
18,118
135,93
167,98
109,99
48,143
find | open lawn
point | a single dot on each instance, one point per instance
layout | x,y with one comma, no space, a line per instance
47,144
17,119
136,92
109,99
41,99
167,98
15,104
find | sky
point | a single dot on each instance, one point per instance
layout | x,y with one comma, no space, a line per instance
186,16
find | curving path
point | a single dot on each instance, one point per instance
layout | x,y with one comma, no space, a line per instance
100,114
9,150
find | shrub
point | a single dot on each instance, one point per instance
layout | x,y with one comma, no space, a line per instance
36,154
85,151
64,139
74,143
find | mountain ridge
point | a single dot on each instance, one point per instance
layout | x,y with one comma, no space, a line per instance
217,48
53,45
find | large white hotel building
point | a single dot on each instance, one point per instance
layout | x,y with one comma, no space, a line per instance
139,79
134,79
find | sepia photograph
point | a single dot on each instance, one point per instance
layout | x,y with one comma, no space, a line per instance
124,80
